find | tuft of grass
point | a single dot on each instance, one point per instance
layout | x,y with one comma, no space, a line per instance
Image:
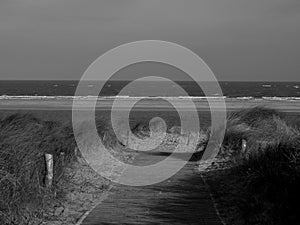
260,127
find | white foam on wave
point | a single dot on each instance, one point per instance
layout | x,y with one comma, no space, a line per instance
126,97
281,98
245,98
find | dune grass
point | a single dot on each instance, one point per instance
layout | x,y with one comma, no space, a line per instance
24,140
262,183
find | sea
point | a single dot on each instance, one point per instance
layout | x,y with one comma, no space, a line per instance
67,88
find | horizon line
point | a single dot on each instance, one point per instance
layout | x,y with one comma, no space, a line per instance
149,80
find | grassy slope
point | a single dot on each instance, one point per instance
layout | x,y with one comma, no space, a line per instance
24,140
261,185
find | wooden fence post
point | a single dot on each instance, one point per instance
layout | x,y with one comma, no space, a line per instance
244,147
49,168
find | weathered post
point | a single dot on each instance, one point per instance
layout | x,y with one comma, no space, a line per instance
244,147
49,168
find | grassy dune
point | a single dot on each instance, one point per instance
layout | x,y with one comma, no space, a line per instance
24,140
261,182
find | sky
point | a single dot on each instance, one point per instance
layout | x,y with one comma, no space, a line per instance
240,40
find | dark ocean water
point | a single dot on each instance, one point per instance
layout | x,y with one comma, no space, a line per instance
112,88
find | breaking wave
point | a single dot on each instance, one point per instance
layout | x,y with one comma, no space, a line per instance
28,97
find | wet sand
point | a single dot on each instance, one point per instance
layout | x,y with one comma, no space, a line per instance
147,104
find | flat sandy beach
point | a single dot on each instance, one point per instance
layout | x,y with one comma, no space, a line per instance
147,104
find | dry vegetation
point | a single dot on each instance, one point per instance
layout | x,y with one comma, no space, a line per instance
260,184
24,140
25,199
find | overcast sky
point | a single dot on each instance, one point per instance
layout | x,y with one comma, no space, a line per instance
239,39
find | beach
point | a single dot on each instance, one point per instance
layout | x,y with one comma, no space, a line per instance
60,108
62,103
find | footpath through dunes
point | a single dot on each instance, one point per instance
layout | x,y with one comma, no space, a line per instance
182,199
